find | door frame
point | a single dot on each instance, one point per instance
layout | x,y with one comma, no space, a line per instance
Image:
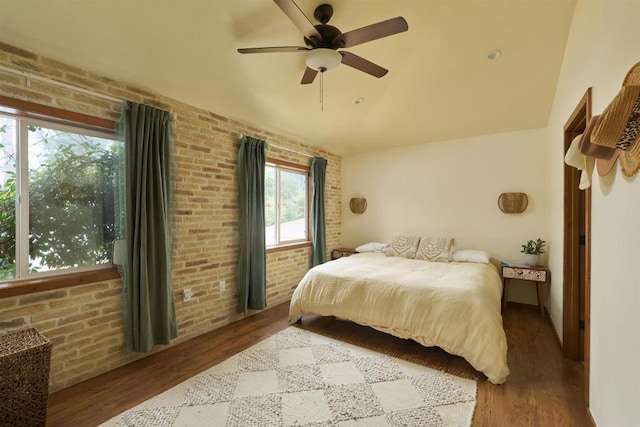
573,294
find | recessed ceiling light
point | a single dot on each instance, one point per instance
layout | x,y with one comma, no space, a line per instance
494,54
358,100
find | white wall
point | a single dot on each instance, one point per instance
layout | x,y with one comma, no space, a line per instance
603,44
451,189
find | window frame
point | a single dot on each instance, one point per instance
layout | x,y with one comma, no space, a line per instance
30,110
284,165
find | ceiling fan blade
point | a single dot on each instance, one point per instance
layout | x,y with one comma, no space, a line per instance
308,76
299,19
362,64
373,32
273,49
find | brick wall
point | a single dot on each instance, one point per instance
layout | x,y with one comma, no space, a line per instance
84,322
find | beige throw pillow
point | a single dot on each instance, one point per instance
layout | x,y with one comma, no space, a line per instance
404,246
435,249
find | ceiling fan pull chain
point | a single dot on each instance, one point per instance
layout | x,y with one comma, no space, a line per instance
321,91
322,70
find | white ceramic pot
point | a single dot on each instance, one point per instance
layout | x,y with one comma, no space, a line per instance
532,259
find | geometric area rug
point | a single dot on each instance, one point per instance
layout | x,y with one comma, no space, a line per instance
298,378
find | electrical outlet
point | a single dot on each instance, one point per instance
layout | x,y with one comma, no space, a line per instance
187,294
223,285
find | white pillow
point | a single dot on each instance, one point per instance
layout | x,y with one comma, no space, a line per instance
372,247
470,255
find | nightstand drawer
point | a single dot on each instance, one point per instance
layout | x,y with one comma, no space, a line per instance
523,273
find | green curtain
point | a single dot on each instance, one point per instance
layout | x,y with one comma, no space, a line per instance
318,231
252,259
145,223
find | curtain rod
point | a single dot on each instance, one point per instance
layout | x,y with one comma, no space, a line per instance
30,77
289,149
285,148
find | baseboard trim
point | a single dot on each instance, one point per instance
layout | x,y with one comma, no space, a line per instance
590,416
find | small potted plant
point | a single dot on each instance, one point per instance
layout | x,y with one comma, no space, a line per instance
532,250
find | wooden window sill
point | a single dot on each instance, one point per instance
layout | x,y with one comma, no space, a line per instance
29,286
288,247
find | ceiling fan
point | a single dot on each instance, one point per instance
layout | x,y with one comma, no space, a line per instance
323,41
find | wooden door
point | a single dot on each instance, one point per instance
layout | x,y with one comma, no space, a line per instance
577,249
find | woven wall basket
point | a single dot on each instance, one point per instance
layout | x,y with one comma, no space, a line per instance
513,202
358,205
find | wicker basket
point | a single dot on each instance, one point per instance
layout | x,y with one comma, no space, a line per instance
513,202
358,205
25,358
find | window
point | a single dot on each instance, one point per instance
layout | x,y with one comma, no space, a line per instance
286,204
56,198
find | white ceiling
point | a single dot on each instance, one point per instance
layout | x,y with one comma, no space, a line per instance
440,86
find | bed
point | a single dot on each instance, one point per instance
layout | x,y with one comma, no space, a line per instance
455,305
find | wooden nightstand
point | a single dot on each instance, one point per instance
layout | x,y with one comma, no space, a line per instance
536,274
339,253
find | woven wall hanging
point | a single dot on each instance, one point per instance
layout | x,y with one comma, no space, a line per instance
358,205
513,202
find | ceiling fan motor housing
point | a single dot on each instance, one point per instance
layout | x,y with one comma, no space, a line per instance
323,14
328,33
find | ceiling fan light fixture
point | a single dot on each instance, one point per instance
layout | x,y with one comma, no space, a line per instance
322,59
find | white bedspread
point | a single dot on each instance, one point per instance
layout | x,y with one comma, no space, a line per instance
455,306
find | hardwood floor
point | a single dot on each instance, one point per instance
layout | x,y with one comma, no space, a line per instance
543,389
